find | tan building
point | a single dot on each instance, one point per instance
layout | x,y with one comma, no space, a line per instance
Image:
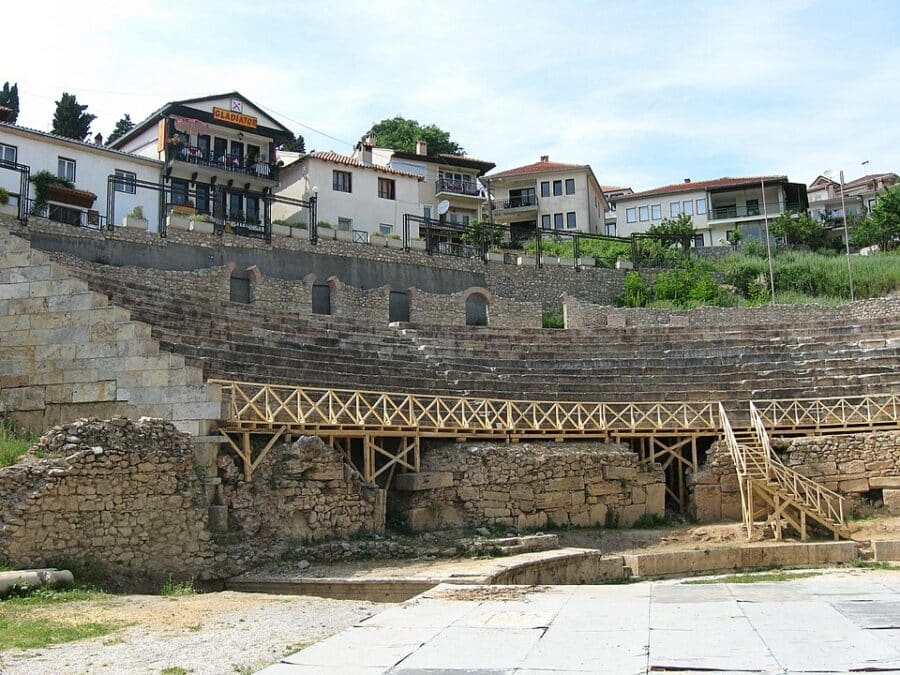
860,195
454,178
716,207
550,195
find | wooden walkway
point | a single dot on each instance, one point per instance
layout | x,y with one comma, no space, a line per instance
381,432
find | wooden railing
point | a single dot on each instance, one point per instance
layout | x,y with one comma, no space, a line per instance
816,413
802,489
254,404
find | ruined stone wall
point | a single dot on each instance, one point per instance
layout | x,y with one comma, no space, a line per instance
122,496
850,464
431,309
68,353
529,485
300,492
588,315
128,498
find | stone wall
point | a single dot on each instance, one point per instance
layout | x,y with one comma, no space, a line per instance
300,492
122,496
851,464
580,314
68,353
128,498
358,265
528,485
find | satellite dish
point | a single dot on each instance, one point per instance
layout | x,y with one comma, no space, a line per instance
443,206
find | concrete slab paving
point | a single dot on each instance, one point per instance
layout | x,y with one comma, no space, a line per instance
840,621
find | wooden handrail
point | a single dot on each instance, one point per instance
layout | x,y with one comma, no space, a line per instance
846,411
258,403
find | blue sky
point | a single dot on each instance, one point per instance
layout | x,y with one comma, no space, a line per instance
648,93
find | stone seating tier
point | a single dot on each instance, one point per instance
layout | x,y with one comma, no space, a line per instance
731,363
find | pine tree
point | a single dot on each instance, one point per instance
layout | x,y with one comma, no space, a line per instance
296,145
9,98
123,126
70,119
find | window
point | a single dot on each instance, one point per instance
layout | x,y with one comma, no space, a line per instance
545,188
701,206
557,221
611,229
179,192
871,203
644,213
688,208
342,181
253,209
656,211
631,215
385,188
570,186
345,224
674,209
698,240
202,198
545,221
125,182
570,220
752,207
426,211
66,169
235,207
557,188
385,229
8,153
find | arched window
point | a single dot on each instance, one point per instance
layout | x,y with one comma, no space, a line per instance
476,310
321,299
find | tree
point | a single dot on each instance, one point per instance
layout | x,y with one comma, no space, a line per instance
800,229
401,134
882,227
298,144
667,244
9,98
123,126
70,119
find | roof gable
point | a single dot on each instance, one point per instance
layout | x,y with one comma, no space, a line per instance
714,184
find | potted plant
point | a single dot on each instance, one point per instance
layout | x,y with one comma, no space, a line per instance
494,254
343,235
417,243
282,228
377,239
201,222
134,219
178,218
394,241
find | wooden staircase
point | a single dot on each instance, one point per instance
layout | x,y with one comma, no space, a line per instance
774,496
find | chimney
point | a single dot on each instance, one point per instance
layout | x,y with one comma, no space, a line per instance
687,180
98,139
421,147
545,158
366,148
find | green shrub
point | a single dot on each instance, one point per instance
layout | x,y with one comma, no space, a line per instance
553,320
136,212
13,442
42,181
637,291
173,588
4,197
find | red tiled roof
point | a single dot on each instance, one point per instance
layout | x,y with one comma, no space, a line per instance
537,167
350,161
705,185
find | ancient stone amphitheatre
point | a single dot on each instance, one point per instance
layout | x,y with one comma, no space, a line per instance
205,425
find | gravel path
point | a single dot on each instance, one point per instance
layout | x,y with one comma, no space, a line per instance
212,633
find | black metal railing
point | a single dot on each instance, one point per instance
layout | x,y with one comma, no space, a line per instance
522,201
244,164
69,215
457,187
747,211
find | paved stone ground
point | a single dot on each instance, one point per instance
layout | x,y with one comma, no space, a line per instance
841,621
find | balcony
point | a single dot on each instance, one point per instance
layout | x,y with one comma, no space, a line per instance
517,204
466,188
733,212
246,165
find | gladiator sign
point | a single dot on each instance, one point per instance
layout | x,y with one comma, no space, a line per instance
234,117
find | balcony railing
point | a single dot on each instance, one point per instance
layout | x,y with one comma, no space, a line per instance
68,214
523,201
243,164
725,212
457,187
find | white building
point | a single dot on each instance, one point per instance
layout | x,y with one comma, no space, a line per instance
613,193
549,195
717,207
352,195
87,165
219,155
860,195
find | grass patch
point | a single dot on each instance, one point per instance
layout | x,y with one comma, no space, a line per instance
13,442
756,578
176,589
651,521
19,631
175,670
872,565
